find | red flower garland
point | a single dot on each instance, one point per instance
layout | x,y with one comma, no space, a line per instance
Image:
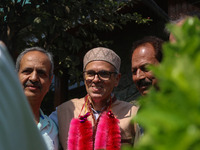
85,140
73,135
114,136
80,135
107,135
102,133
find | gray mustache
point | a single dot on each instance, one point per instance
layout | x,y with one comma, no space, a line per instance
37,84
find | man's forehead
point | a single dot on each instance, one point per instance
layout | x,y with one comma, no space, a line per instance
35,56
144,50
144,58
30,60
34,53
99,64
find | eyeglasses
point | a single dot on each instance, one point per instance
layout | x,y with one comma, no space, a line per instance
102,75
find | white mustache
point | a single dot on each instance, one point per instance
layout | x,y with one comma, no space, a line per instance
37,84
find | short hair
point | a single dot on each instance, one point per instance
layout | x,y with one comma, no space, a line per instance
48,54
154,41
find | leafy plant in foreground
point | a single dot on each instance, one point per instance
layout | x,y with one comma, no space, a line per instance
170,116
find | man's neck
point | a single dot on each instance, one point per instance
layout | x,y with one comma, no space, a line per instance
35,106
99,105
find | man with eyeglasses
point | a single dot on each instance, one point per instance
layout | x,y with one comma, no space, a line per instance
98,120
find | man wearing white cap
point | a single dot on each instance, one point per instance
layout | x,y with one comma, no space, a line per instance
98,120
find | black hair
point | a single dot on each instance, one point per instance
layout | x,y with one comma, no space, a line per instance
156,42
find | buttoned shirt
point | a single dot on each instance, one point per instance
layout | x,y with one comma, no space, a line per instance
49,131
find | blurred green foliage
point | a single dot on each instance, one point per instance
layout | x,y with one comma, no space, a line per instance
170,116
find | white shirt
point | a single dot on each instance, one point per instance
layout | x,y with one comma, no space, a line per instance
49,131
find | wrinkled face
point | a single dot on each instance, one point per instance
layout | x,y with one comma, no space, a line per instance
100,90
34,74
142,57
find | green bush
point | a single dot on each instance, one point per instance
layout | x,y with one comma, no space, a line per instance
171,116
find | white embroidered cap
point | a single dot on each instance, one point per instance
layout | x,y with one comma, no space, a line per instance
102,54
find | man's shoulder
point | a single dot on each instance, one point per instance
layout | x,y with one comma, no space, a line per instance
46,124
73,102
121,103
120,106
